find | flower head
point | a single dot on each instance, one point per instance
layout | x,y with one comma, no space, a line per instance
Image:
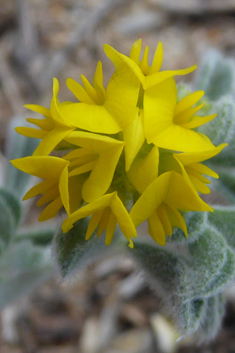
133,153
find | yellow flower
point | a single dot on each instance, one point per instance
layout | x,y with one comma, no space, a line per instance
54,128
168,124
103,111
98,154
148,75
106,212
57,189
160,202
192,170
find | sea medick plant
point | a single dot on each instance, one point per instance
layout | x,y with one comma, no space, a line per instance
138,151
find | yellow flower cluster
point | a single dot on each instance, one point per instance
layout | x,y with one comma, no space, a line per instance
132,153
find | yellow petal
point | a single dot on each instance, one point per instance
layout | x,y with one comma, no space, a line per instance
168,187
39,109
177,187
93,224
133,137
144,65
78,152
163,216
135,51
77,162
44,124
98,77
186,114
108,151
122,96
110,229
79,92
157,59
156,78
188,101
54,108
192,172
117,208
83,169
91,91
43,167
199,185
198,121
51,140
49,196
176,219
151,198
51,210
156,230
38,189
203,169
103,221
31,132
120,60
75,188
159,105
90,117
144,170
195,157
102,174
64,189
180,139
123,218
87,210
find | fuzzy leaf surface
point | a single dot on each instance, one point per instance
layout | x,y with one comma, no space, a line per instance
18,146
72,252
215,76
10,213
22,268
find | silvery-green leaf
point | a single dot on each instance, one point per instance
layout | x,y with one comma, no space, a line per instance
22,268
165,271
223,218
37,235
208,255
167,276
195,222
72,252
189,315
222,128
18,146
224,277
212,318
10,212
215,75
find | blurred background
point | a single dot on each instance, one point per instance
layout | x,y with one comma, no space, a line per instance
107,308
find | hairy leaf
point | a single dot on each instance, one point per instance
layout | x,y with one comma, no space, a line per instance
216,75
18,146
22,268
72,252
223,219
10,212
